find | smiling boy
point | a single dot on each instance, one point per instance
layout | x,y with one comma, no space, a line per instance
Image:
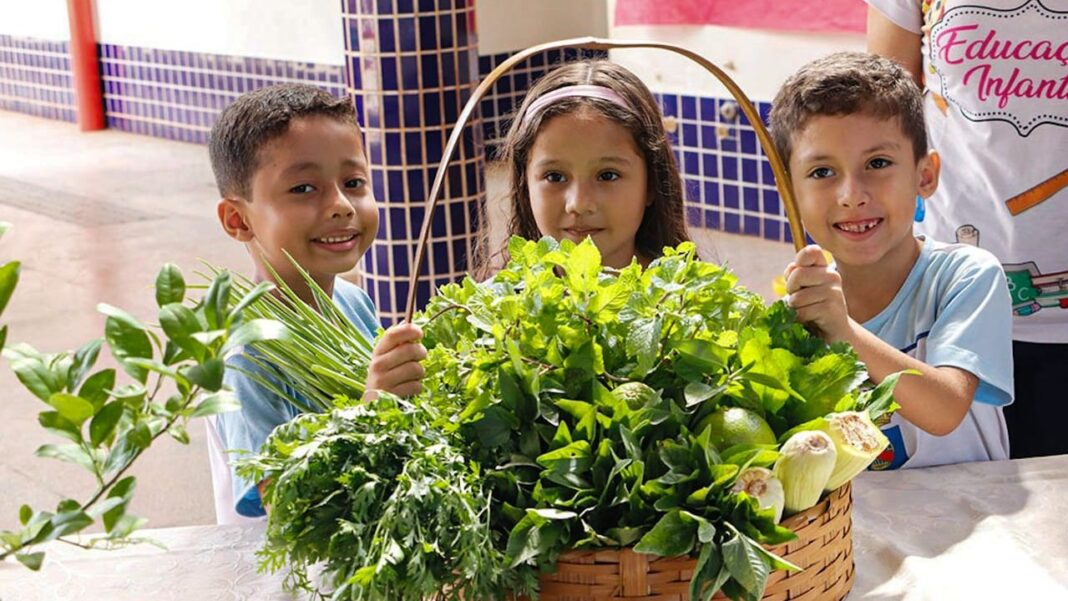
290,165
850,128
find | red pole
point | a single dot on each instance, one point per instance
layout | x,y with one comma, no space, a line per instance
85,65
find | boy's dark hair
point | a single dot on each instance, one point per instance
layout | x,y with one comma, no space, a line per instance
848,83
664,221
258,117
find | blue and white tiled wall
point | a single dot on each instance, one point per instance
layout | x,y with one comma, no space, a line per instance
728,180
35,78
410,65
178,95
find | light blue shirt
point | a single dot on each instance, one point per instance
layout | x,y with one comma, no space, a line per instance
953,310
262,410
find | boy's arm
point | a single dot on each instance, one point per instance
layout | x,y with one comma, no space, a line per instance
888,39
936,402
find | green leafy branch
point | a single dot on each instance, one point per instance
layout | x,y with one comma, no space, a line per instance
108,426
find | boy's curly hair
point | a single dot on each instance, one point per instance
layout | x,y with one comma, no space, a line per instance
848,83
258,117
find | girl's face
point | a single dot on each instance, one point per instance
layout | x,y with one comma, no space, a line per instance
586,177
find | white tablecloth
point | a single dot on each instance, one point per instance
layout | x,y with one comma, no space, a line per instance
977,531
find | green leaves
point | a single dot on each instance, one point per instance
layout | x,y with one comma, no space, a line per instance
9,278
631,469
673,535
109,424
127,339
170,285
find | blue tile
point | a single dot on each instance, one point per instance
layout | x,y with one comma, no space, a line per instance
751,225
690,163
434,144
386,36
766,174
670,105
764,108
711,194
455,182
772,229
391,112
445,31
388,70
485,64
730,143
709,139
427,6
730,196
751,199
411,110
413,149
448,69
410,72
398,227
395,185
385,7
689,135
431,74
771,203
729,168
731,223
458,218
689,107
417,185
749,171
401,266
451,105
712,220
407,38
749,141
431,108
439,254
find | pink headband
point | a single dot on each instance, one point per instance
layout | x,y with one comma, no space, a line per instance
586,91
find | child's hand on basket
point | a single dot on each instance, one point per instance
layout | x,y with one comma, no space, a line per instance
395,366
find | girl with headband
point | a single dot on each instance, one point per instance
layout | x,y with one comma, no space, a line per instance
589,157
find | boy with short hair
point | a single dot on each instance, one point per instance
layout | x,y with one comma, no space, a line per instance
850,128
291,169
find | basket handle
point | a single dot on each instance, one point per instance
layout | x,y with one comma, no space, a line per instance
782,181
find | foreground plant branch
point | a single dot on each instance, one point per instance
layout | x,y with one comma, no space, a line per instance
109,426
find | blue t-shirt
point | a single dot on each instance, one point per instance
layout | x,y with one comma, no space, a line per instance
953,310
262,410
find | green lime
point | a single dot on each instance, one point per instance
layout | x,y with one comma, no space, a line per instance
634,394
734,425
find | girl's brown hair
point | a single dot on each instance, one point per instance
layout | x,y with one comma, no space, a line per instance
664,221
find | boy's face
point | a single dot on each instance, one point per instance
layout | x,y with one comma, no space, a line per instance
856,181
586,177
311,197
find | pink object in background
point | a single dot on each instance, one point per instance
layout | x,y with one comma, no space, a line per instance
784,15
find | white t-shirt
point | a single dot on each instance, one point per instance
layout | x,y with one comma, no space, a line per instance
953,311
996,79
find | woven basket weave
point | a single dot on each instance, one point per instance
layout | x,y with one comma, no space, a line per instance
824,549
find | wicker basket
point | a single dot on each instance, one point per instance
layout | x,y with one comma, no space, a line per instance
824,549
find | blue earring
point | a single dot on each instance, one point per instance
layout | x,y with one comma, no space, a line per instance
921,210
